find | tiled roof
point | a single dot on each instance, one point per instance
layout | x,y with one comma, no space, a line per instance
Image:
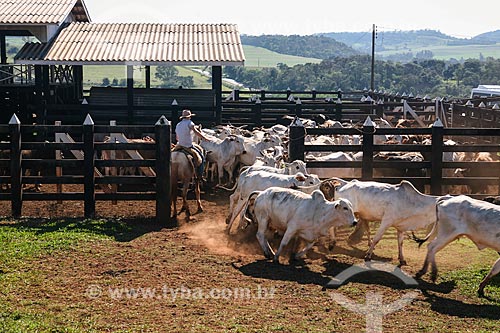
145,43
41,11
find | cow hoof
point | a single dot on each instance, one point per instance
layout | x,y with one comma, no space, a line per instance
402,263
433,277
200,210
480,293
368,258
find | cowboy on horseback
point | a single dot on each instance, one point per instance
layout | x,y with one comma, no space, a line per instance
183,132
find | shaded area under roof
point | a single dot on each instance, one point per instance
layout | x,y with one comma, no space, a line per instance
139,44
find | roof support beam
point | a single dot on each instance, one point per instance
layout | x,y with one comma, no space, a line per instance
3,50
217,87
130,93
148,77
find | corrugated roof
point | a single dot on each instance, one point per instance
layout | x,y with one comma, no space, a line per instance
41,11
31,51
145,43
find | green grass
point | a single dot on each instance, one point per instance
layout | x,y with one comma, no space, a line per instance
260,57
24,242
255,57
445,52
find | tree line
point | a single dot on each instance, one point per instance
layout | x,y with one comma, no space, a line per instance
425,76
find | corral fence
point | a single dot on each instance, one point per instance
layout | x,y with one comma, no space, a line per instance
82,165
434,166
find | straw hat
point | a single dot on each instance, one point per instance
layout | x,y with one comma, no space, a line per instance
186,114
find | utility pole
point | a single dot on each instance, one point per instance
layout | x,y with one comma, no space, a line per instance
372,81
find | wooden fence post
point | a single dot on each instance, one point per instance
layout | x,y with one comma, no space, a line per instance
329,107
379,109
258,112
296,141
15,166
367,166
88,167
437,157
162,168
338,109
298,108
175,118
339,94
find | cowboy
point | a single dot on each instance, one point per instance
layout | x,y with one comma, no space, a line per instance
183,132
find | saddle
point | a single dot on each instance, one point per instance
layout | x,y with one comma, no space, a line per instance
194,152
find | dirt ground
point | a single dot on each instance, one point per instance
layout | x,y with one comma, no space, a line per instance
103,287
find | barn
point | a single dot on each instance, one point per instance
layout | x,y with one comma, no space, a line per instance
44,81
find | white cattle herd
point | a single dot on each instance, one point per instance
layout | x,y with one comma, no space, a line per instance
306,204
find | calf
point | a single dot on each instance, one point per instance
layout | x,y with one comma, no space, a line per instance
463,216
296,214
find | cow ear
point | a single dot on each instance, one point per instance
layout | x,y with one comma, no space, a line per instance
318,195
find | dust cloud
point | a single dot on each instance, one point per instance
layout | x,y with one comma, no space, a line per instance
213,235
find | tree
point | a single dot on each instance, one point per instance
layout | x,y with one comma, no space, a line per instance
169,75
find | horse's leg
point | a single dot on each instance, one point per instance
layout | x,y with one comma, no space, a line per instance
173,194
185,206
198,195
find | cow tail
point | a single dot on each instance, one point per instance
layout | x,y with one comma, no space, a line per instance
421,241
357,235
248,212
227,189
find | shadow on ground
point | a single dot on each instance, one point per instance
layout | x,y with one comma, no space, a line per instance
121,230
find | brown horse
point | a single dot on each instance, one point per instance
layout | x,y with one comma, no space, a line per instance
183,171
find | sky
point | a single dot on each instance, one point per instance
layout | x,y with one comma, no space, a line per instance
276,17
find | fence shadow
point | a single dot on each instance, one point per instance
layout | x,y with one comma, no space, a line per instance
121,230
457,308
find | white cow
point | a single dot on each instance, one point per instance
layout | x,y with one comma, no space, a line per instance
290,168
224,154
400,206
296,214
464,216
254,147
333,172
258,181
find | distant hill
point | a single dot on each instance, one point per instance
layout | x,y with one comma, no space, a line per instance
405,45
318,47
492,36
390,40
